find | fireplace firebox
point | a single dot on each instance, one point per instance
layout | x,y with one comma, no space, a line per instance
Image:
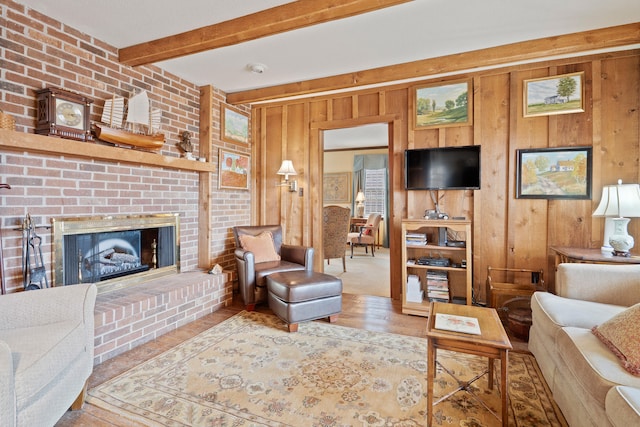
115,251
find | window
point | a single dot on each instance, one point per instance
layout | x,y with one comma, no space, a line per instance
375,191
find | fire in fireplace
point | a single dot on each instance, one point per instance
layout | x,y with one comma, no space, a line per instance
115,252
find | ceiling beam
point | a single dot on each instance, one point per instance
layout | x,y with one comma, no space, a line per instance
287,17
527,51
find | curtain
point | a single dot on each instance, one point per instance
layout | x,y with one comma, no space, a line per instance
370,161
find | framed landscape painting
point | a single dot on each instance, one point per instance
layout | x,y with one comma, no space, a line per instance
554,173
234,125
443,104
554,95
233,170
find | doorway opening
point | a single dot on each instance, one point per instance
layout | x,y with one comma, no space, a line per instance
356,176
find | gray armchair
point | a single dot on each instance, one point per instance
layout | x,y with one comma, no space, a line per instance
46,353
252,282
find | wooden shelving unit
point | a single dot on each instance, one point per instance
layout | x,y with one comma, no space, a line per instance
459,277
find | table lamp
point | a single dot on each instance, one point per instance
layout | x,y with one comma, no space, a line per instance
618,202
360,204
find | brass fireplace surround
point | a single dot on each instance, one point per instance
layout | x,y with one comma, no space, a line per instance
86,225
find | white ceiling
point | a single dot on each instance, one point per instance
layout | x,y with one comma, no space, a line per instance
367,136
417,30
420,29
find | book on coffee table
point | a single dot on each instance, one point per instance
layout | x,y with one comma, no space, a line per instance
454,323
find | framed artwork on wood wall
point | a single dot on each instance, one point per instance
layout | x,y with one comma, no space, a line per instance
234,125
337,187
561,94
554,173
442,104
233,170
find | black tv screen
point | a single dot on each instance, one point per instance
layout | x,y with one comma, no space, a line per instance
443,168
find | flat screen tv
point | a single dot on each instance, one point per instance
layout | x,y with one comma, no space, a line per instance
443,168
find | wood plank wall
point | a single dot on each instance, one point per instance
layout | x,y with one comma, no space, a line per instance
508,232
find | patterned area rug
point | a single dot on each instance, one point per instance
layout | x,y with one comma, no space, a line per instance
248,371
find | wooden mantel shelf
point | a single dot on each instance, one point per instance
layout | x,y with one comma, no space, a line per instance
21,141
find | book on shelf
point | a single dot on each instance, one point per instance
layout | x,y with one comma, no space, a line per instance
455,323
438,285
416,239
437,280
437,275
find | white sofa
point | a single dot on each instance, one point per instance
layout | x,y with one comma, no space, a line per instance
588,382
46,353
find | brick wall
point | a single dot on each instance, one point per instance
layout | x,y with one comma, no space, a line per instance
36,52
130,317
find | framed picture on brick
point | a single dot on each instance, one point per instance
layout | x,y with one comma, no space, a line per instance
233,170
234,125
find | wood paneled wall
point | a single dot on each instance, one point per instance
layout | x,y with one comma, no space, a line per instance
507,231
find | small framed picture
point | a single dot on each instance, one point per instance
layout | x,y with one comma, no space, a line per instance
562,94
442,104
234,125
554,173
337,187
233,170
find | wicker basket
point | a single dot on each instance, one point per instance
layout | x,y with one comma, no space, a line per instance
7,121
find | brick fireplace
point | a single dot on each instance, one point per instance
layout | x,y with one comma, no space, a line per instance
52,178
134,260
115,251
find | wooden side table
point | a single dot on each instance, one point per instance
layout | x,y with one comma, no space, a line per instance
492,342
590,256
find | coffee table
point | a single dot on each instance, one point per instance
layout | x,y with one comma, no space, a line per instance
492,342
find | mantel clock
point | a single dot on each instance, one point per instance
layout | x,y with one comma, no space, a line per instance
64,114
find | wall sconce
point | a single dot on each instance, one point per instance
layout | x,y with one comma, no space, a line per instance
618,201
286,169
360,204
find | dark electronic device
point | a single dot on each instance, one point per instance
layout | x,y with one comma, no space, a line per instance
435,262
443,168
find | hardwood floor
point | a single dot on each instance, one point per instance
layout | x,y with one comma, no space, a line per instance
358,311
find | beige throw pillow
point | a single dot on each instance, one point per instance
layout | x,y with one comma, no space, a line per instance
621,334
261,246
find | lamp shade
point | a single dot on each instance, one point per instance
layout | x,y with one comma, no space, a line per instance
286,169
360,197
621,200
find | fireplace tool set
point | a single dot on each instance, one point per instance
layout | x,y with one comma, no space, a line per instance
34,273
3,287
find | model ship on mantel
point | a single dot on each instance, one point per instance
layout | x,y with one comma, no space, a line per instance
141,129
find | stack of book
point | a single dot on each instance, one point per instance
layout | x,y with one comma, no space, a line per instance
416,239
414,289
438,286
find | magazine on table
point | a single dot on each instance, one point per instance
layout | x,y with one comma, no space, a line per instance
452,322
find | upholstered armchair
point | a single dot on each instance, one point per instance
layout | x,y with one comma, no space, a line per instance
46,353
367,235
336,221
260,252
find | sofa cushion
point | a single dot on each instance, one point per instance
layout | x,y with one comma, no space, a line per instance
42,356
261,246
593,366
551,312
622,336
623,406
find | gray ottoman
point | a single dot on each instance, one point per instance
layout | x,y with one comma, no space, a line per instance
299,296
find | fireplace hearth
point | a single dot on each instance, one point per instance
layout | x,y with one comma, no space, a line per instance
115,251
